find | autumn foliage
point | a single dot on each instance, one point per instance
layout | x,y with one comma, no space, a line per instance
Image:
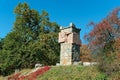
31,76
105,32
85,54
104,39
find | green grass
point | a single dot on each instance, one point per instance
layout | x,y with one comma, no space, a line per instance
2,78
23,72
73,73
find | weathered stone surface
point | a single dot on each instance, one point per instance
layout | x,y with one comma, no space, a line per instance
65,56
70,45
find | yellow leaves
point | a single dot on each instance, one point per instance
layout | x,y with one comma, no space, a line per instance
117,44
85,54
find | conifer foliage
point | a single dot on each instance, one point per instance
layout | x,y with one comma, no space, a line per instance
32,40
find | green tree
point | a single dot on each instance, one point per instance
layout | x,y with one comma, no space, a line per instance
32,40
1,43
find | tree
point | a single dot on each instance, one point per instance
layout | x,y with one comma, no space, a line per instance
104,39
1,43
32,40
103,35
85,54
1,47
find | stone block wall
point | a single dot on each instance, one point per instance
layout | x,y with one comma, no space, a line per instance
65,54
70,45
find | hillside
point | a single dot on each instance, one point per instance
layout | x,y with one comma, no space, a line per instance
65,73
72,73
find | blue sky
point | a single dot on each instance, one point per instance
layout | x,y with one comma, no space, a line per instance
80,12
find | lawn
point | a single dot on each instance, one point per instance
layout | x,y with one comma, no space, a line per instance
73,73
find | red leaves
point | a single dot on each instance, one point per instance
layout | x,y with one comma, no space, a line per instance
99,34
92,33
31,76
105,34
34,75
104,25
103,30
14,77
114,16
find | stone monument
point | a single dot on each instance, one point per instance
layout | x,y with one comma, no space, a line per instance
69,39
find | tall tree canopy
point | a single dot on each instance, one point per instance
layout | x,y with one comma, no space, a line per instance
104,40
105,33
32,40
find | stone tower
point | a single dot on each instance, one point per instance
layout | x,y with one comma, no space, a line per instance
69,39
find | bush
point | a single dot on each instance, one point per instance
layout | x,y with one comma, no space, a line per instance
109,64
115,76
101,77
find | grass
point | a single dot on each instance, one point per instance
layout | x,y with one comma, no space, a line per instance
2,78
24,71
72,73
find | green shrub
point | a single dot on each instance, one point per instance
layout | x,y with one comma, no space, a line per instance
109,64
101,76
115,76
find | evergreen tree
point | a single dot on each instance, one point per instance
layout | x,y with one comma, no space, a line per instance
1,43
32,40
